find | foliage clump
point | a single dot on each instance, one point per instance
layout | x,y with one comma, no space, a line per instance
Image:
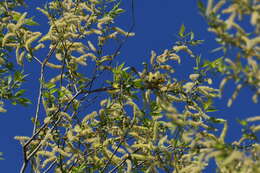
138,124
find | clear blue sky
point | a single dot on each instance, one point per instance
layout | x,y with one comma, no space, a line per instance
156,27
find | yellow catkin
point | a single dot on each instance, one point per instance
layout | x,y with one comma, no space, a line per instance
39,46
71,136
218,5
255,118
51,159
254,17
61,151
81,60
194,77
11,27
209,7
77,128
155,131
119,150
253,42
91,55
142,157
129,166
94,1
19,59
46,37
224,132
230,20
91,46
47,120
146,146
89,117
66,115
5,39
103,20
233,156
53,65
21,138
12,44
178,48
121,31
91,140
162,140
31,39
255,128
56,78
175,57
95,31
87,7
46,153
153,55
109,154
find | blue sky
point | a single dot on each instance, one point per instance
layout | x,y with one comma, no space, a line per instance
156,27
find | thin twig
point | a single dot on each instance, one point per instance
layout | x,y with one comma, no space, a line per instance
123,161
41,86
37,111
51,165
111,157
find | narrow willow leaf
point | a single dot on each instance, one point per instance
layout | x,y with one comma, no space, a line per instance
21,20
224,132
2,109
182,30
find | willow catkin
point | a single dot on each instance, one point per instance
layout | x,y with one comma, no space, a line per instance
252,119
91,46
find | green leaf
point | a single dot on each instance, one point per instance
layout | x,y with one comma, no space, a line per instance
198,58
2,109
30,22
211,110
191,35
201,7
182,30
80,169
19,76
14,103
19,93
49,85
1,154
16,17
138,83
242,122
24,101
116,6
9,79
37,122
53,90
119,10
216,120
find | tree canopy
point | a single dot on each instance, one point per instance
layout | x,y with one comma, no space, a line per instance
117,118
